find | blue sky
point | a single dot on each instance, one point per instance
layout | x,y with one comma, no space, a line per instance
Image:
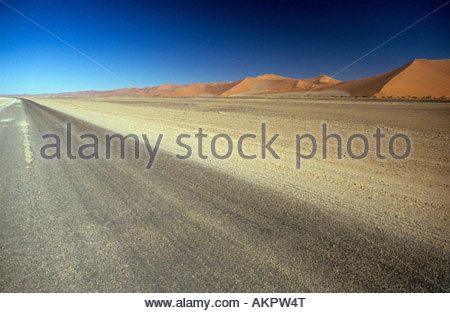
148,43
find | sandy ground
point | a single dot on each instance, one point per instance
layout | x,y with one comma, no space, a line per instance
410,196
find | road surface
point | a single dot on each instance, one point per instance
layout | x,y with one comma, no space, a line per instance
111,226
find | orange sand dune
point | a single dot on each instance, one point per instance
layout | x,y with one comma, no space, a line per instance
319,82
271,76
421,78
418,78
211,89
268,84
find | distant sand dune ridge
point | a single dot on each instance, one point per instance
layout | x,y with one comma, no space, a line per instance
418,78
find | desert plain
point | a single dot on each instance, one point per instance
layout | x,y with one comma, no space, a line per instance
370,199
209,224
412,192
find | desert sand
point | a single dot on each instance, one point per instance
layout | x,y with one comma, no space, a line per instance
386,193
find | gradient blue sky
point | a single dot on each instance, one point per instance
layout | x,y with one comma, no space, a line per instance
149,43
